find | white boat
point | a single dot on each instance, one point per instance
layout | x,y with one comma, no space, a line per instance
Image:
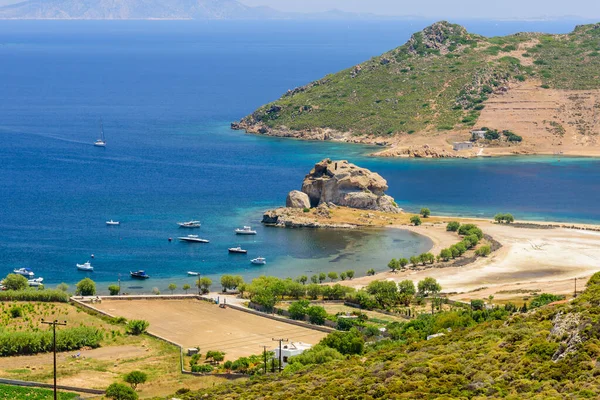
101,142
35,282
192,273
238,250
193,239
113,223
26,272
85,267
189,224
245,231
259,261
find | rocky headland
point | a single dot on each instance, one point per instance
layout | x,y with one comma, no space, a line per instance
330,185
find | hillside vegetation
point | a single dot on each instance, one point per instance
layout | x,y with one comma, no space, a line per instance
437,81
549,352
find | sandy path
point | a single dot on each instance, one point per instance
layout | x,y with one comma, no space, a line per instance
532,258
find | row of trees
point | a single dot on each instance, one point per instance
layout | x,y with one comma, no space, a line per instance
504,218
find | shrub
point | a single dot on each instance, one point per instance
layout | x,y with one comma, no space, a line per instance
34,295
504,218
316,315
298,309
114,290
118,391
135,378
477,304
415,220
543,299
15,282
204,368
347,343
306,209
86,287
470,229
453,226
16,312
371,272
483,251
63,287
33,342
425,212
137,326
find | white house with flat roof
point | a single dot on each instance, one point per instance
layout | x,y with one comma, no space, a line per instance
478,134
289,350
458,146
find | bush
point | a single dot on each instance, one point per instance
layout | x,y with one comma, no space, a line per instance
135,378
483,251
114,290
33,342
118,391
15,282
470,229
347,343
16,312
415,220
543,299
453,226
504,218
425,212
137,326
63,287
35,295
316,315
204,368
298,310
86,287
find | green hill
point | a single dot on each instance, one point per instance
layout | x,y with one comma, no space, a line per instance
549,352
438,81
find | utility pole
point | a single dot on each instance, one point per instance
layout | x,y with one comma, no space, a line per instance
265,357
119,284
54,323
575,294
280,358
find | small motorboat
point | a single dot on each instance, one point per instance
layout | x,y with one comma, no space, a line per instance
193,239
189,224
259,261
35,282
192,273
85,267
139,274
245,231
113,223
26,272
238,250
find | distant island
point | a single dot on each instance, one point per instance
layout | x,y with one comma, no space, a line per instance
157,10
451,93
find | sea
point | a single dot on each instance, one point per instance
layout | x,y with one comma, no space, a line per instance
166,92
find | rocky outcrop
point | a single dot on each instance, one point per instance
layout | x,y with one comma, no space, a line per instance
295,218
297,199
345,184
440,37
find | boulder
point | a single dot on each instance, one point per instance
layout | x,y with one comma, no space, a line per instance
344,184
297,199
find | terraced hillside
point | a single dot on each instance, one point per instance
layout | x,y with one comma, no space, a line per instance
545,353
434,89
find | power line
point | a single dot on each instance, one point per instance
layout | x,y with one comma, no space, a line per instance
54,323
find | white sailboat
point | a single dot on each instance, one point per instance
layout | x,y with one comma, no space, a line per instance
101,142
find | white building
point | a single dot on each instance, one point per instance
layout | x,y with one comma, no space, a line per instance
289,350
478,134
458,146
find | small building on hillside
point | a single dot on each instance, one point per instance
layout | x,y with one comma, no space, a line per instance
478,134
289,350
458,146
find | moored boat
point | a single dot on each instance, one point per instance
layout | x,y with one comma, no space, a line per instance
26,272
35,282
245,231
113,223
101,142
259,261
85,266
140,274
193,239
238,250
192,273
189,224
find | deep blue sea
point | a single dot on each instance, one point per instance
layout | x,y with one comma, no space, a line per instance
166,92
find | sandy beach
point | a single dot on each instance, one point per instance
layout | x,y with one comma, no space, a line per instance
531,260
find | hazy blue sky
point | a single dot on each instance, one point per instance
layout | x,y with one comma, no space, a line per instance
446,8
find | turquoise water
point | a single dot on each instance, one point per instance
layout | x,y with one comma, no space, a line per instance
166,93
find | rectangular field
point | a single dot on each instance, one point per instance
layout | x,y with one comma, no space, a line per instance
192,323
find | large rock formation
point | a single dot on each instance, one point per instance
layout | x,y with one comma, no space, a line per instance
345,184
297,199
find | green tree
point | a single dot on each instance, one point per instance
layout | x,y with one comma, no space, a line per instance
15,282
314,279
385,293
204,284
63,287
347,343
231,282
453,226
172,287
446,254
350,274
393,265
298,309
371,272
414,260
313,291
86,287
429,286
137,326
118,391
332,276
114,290
415,220
186,287
483,251
504,218
406,291
322,277
470,229
403,263
135,378
425,212
303,279
316,315
343,276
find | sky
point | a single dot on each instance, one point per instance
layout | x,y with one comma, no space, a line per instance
456,9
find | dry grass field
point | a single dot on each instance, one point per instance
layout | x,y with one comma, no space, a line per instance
192,323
